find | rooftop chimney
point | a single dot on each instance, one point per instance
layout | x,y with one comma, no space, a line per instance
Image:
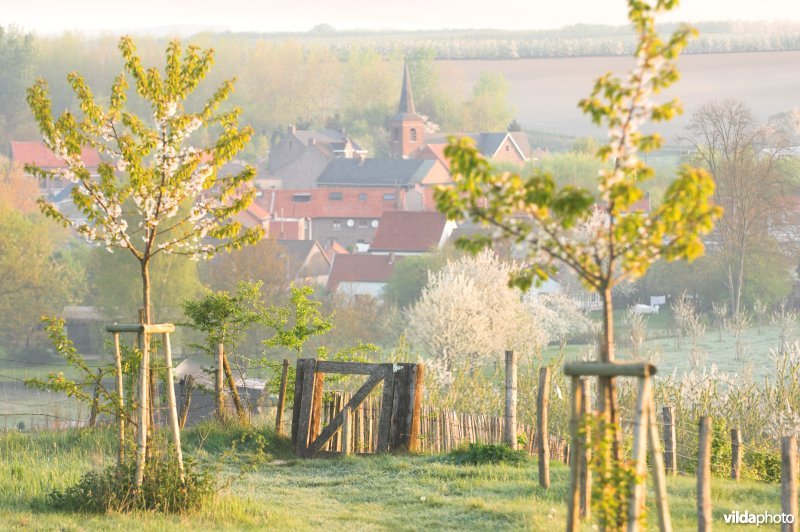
292,129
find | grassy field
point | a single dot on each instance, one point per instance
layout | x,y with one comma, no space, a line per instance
672,355
276,491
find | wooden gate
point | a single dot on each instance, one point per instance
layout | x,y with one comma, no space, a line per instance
398,426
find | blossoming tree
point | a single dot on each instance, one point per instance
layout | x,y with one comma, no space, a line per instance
155,190
551,222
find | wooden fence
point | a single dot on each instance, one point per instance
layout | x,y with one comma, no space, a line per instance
441,430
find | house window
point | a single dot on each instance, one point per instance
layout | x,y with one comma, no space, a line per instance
337,225
362,196
363,223
508,148
389,196
412,135
301,198
335,196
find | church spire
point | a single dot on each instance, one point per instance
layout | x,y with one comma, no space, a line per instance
406,99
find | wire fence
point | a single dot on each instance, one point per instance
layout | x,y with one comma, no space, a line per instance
440,429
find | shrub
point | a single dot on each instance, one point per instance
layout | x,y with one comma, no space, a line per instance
480,453
112,489
762,465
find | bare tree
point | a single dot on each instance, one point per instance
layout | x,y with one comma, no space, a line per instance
744,159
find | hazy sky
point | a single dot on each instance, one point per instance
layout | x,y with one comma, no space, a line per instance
54,16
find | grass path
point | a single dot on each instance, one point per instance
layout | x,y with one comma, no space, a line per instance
359,493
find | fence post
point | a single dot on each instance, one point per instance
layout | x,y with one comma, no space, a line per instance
510,427
95,403
316,405
346,424
670,462
281,398
542,404
704,476
736,454
789,482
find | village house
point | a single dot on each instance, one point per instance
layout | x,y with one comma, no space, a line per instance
361,274
411,233
297,159
347,215
305,261
37,153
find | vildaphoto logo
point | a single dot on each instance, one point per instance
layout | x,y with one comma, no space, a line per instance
766,518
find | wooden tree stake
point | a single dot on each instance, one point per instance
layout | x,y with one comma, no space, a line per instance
120,400
639,484
573,510
585,485
281,398
173,408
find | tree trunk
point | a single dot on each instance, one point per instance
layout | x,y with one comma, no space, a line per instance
608,386
145,414
739,285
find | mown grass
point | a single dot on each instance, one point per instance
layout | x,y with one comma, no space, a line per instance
270,489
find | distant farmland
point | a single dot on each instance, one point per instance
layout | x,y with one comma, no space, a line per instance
545,92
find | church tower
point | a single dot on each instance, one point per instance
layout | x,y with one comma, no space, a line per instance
406,128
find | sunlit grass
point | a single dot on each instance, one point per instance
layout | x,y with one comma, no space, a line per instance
272,490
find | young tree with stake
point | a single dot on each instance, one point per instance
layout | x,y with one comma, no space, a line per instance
155,190
558,225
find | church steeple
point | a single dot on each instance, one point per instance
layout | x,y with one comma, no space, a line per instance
406,98
407,127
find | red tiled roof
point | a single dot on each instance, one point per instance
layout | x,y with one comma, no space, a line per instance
37,153
255,210
409,231
360,267
336,249
282,204
287,229
434,151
